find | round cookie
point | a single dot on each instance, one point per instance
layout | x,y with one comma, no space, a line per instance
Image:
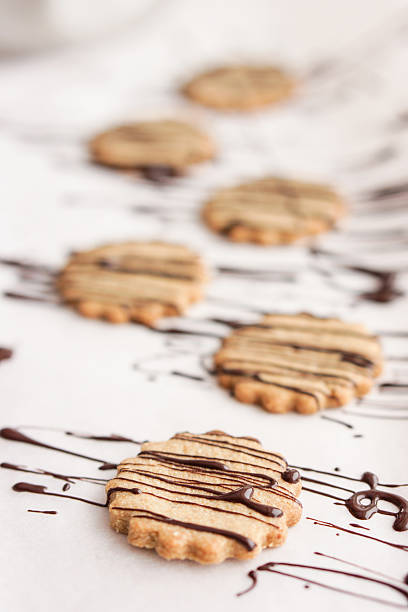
271,211
204,497
298,362
138,281
165,144
240,87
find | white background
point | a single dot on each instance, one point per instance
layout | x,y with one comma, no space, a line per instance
72,373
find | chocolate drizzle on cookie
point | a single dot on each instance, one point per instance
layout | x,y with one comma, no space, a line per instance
323,359
133,281
234,471
273,210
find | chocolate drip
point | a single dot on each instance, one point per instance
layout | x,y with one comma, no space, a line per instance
271,567
204,463
114,266
5,353
243,496
386,290
68,479
362,535
291,475
27,487
133,490
30,298
225,444
107,438
359,526
159,173
17,436
188,376
155,516
365,512
392,386
27,265
108,466
43,511
351,478
327,418
254,578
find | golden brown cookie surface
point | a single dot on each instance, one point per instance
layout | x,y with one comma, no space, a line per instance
166,143
139,281
273,211
298,362
204,497
240,87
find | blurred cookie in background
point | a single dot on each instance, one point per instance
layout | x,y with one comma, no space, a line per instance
272,211
133,281
157,149
240,87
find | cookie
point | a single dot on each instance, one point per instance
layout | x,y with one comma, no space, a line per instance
273,211
156,148
138,281
298,362
240,87
204,497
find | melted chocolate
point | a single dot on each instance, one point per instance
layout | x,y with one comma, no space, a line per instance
108,466
17,436
327,418
243,496
68,479
43,511
365,512
271,567
291,475
359,526
393,387
362,535
30,298
386,290
155,516
107,438
5,353
188,376
27,487
27,265
158,173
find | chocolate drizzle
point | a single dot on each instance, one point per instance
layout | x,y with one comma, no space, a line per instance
386,290
68,479
27,487
365,512
17,436
271,567
5,353
155,516
354,503
105,438
290,475
158,173
362,535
